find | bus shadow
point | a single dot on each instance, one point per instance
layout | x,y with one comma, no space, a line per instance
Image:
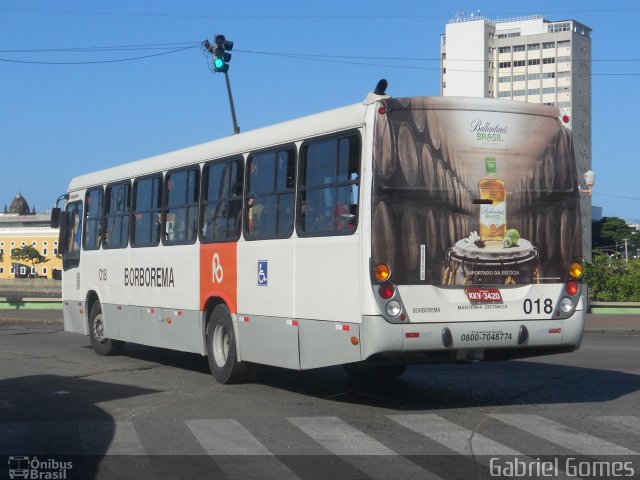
52,426
431,387
446,386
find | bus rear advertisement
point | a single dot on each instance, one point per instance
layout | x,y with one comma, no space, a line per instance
390,232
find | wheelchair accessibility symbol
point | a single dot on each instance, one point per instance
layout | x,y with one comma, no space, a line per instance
263,276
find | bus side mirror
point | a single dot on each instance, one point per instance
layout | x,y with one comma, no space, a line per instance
55,217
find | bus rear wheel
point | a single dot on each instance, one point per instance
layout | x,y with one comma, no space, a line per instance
221,348
101,345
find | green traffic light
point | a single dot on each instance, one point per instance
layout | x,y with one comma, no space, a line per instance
218,63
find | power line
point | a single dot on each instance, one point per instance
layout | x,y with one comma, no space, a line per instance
342,59
148,46
308,16
616,196
164,46
89,62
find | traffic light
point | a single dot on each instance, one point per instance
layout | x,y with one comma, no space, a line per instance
221,57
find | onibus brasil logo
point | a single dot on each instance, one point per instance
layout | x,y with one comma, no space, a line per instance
35,468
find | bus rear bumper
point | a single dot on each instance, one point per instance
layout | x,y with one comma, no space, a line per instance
463,341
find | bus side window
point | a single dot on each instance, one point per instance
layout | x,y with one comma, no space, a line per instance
270,192
70,235
181,206
93,220
329,188
222,186
117,206
146,211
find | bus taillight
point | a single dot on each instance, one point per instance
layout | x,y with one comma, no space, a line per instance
575,270
382,272
386,291
572,287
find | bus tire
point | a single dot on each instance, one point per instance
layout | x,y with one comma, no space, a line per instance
221,348
101,345
372,373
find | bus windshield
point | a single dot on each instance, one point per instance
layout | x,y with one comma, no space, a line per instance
473,197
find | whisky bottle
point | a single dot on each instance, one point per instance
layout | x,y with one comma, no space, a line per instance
493,217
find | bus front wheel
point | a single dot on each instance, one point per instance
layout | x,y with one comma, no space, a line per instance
221,348
101,345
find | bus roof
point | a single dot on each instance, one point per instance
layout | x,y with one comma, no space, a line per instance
289,131
292,130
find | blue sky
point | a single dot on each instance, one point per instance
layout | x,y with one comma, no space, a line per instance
58,121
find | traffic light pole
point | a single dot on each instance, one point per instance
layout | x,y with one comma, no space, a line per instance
236,128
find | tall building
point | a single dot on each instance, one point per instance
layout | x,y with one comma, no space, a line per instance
21,226
526,59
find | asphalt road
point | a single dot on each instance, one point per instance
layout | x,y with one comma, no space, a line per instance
152,413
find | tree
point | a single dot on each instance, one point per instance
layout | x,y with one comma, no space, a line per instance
613,279
610,231
29,254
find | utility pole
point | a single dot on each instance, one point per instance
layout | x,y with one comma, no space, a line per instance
221,59
626,253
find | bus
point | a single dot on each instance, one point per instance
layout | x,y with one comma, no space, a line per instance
386,233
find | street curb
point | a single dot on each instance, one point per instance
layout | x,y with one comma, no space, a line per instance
23,321
611,331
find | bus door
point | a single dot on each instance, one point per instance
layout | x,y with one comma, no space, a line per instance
70,243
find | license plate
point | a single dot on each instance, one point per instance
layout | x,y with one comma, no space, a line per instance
483,295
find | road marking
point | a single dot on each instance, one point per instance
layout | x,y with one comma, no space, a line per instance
562,435
360,450
339,437
452,436
226,439
110,438
628,423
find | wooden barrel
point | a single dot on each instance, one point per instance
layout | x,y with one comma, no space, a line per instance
384,160
562,163
450,193
408,155
552,233
440,182
384,235
419,118
433,129
569,228
432,236
538,183
453,238
411,238
444,234
549,168
428,167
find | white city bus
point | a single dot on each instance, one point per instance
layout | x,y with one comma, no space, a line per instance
385,233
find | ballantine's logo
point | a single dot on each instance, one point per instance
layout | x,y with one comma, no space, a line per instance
488,132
